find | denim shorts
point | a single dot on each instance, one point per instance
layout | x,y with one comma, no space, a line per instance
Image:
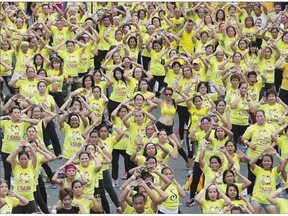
265,206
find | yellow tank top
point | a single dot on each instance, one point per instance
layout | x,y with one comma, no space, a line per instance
168,111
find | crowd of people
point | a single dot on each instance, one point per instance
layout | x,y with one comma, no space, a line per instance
96,71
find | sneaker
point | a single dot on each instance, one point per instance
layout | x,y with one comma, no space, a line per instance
50,147
124,176
119,210
190,202
60,157
120,188
189,173
115,184
53,186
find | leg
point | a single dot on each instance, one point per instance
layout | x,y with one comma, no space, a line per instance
183,115
58,97
270,209
104,201
112,105
109,188
278,78
48,171
39,201
7,168
197,172
283,95
115,164
252,178
50,128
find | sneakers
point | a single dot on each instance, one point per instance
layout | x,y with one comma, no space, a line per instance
119,210
189,173
60,157
115,184
124,176
190,202
53,186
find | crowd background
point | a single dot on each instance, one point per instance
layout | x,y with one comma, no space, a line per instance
115,77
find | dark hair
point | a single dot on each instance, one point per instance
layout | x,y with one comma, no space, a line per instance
267,155
86,146
236,208
145,175
96,87
217,158
132,37
83,153
157,42
176,63
74,100
251,18
271,91
216,15
122,107
134,98
56,59
141,10
231,141
70,116
203,83
241,83
23,153
85,77
93,131
41,81
40,70
220,100
235,76
143,80
250,73
75,182
66,192
196,96
158,20
253,44
165,168
13,108
232,28
235,187
225,173
34,61
122,72
260,110
138,195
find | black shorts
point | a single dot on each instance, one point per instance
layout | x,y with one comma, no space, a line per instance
167,128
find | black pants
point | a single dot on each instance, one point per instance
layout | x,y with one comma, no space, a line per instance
52,135
98,59
7,80
159,212
101,191
197,172
131,165
7,167
146,62
115,162
109,188
278,78
58,97
252,178
283,95
39,199
48,170
29,208
238,131
183,154
159,79
184,116
112,105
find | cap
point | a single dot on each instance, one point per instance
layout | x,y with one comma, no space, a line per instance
24,43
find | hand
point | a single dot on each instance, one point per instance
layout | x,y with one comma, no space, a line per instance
252,146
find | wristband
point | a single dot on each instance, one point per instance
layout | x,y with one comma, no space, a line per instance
133,177
128,188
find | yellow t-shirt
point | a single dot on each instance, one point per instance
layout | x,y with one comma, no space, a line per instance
212,207
73,141
265,184
131,210
197,114
259,135
172,202
21,60
254,91
223,187
6,57
11,202
282,144
47,101
71,62
57,85
273,113
156,68
86,203
124,142
120,90
284,85
98,106
209,175
183,85
13,133
24,180
186,41
240,114
27,88
91,176
60,36
282,205
283,47
267,68
136,132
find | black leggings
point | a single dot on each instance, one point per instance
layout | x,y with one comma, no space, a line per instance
283,95
48,170
115,162
184,116
159,79
39,199
7,167
29,208
109,188
101,191
183,154
52,135
98,59
278,78
197,172
238,131
58,97
131,165
112,105
146,62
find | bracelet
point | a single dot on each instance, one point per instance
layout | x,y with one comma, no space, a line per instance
133,177
128,188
